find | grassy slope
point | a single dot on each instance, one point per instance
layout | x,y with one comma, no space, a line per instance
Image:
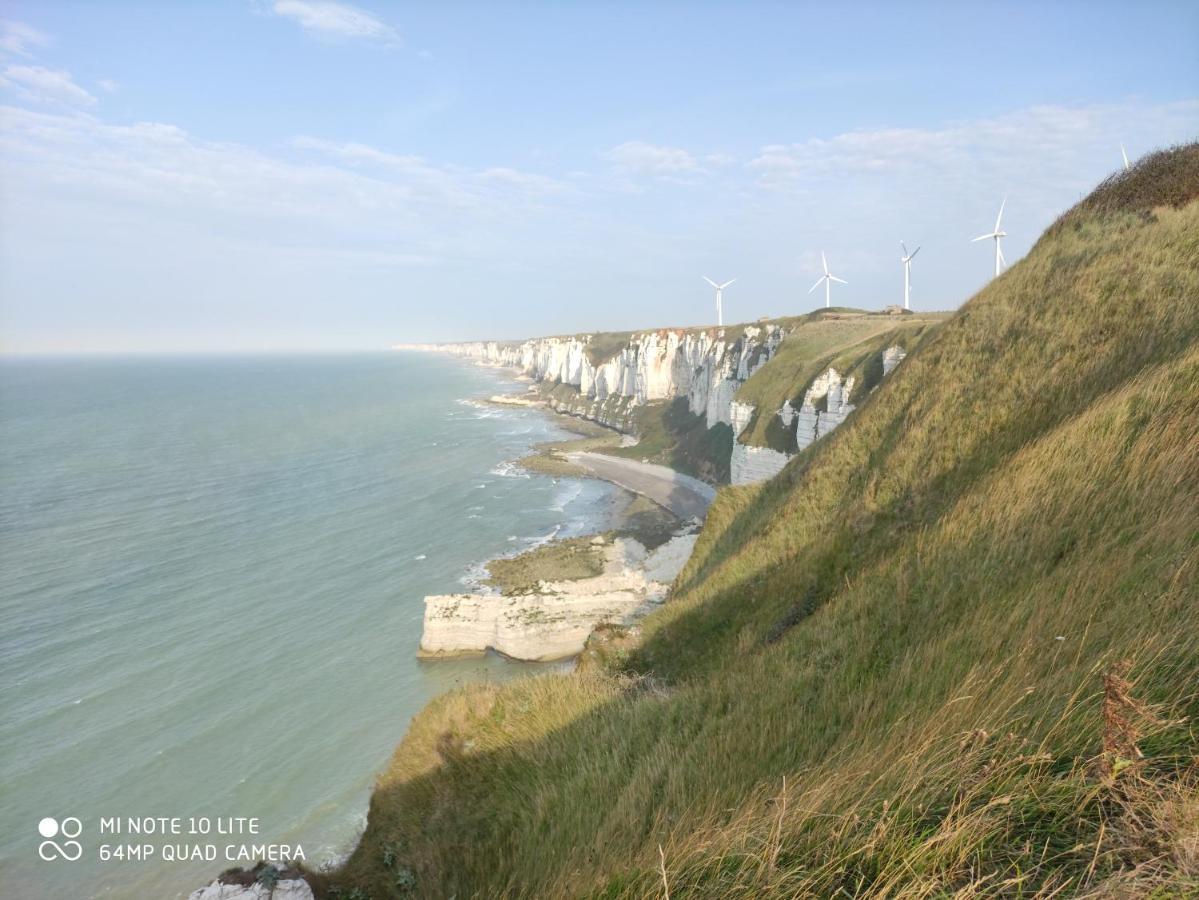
859,687
851,344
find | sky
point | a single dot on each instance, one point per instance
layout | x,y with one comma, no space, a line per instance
286,175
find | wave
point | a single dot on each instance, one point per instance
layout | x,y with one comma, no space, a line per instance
568,493
509,469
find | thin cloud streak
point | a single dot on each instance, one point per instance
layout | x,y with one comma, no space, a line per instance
19,39
336,20
43,85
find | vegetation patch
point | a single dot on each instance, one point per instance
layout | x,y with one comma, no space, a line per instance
606,345
852,343
560,560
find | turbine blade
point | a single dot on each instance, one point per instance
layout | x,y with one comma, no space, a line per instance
914,252
711,282
982,237
727,283
819,281
999,218
905,248
1125,155
824,261
840,280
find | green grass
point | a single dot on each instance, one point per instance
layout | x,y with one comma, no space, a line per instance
568,559
852,344
897,669
606,345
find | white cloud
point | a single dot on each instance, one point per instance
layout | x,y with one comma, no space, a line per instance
108,85
458,184
358,153
46,85
336,20
16,38
350,196
640,158
1042,142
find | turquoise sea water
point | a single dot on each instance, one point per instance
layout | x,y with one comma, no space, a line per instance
211,582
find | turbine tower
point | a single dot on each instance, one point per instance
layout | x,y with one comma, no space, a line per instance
828,278
1125,155
719,297
906,259
997,235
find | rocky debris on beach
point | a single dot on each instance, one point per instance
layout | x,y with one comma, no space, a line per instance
532,399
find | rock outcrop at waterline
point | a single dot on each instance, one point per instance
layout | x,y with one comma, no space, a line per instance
554,621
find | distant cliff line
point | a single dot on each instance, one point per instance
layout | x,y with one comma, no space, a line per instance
614,378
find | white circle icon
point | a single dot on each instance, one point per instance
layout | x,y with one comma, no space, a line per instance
69,849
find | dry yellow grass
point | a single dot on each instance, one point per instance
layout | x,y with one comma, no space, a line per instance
964,629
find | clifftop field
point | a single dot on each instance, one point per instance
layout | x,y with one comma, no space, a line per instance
951,651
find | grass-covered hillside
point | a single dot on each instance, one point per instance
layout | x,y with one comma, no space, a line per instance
851,342
951,651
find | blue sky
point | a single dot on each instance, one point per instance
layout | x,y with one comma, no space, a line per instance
292,174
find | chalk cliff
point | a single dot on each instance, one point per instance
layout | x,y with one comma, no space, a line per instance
707,366
554,621
807,423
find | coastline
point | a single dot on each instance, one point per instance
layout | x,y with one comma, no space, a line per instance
611,510
612,574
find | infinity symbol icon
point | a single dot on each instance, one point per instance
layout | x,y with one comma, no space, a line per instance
69,850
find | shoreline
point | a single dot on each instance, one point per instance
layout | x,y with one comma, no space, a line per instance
605,576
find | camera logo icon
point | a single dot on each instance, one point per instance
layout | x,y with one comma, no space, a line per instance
68,849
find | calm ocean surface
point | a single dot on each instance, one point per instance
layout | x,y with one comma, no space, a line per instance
211,582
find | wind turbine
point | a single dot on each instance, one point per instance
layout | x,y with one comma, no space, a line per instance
719,295
996,234
906,259
1125,155
828,278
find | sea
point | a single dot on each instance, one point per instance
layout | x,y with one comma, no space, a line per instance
211,580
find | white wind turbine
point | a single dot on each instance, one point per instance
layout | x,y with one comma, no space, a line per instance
1125,155
719,297
828,278
997,235
906,259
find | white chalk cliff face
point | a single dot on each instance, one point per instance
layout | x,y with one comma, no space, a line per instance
702,366
554,621
808,424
